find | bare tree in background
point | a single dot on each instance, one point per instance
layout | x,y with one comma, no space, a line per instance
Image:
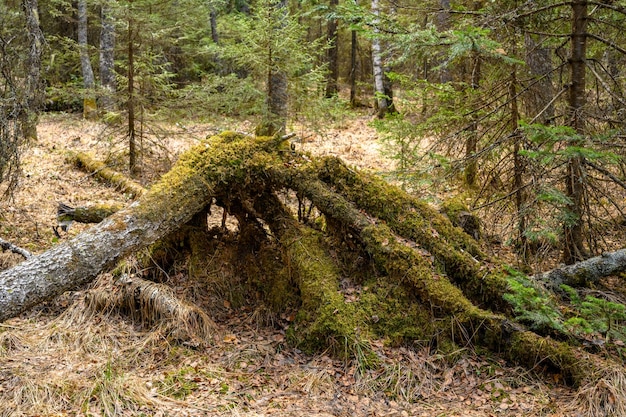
33,95
107,62
20,97
89,84
332,87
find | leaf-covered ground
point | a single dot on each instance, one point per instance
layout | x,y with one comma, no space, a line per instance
61,359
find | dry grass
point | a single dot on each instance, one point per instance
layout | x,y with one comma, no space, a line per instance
151,304
605,396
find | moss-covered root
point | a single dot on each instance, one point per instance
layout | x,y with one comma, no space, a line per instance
99,169
407,215
455,251
324,319
410,265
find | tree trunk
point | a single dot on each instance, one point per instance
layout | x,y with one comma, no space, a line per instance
443,24
519,168
107,56
573,243
541,89
169,204
471,143
89,98
353,67
275,118
213,23
34,90
332,87
381,100
132,143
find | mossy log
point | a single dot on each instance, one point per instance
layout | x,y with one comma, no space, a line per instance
93,213
375,262
586,272
99,169
403,261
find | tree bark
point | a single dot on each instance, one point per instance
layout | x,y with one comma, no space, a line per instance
519,168
353,67
181,193
573,244
332,87
381,100
132,144
107,56
443,25
89,99
34,92
585,272
541,90
471,143
275,119
213,23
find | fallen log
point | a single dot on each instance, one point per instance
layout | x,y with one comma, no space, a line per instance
189,187
584,273
101,170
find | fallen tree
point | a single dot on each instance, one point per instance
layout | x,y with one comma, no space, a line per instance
361,260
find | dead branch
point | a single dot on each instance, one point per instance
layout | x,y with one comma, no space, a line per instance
15,249
585,272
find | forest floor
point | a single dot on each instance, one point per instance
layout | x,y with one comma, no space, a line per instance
59,361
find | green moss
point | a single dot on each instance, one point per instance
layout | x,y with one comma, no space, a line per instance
452,207
324,318
454,253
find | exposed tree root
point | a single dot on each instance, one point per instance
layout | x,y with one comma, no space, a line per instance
404,261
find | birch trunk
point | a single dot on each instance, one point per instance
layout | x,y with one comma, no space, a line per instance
380,98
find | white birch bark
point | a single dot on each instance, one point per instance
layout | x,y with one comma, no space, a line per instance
377,64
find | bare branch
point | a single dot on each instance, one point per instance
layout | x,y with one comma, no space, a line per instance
15,249
607,42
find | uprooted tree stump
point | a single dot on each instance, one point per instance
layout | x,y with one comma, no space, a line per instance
353,256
